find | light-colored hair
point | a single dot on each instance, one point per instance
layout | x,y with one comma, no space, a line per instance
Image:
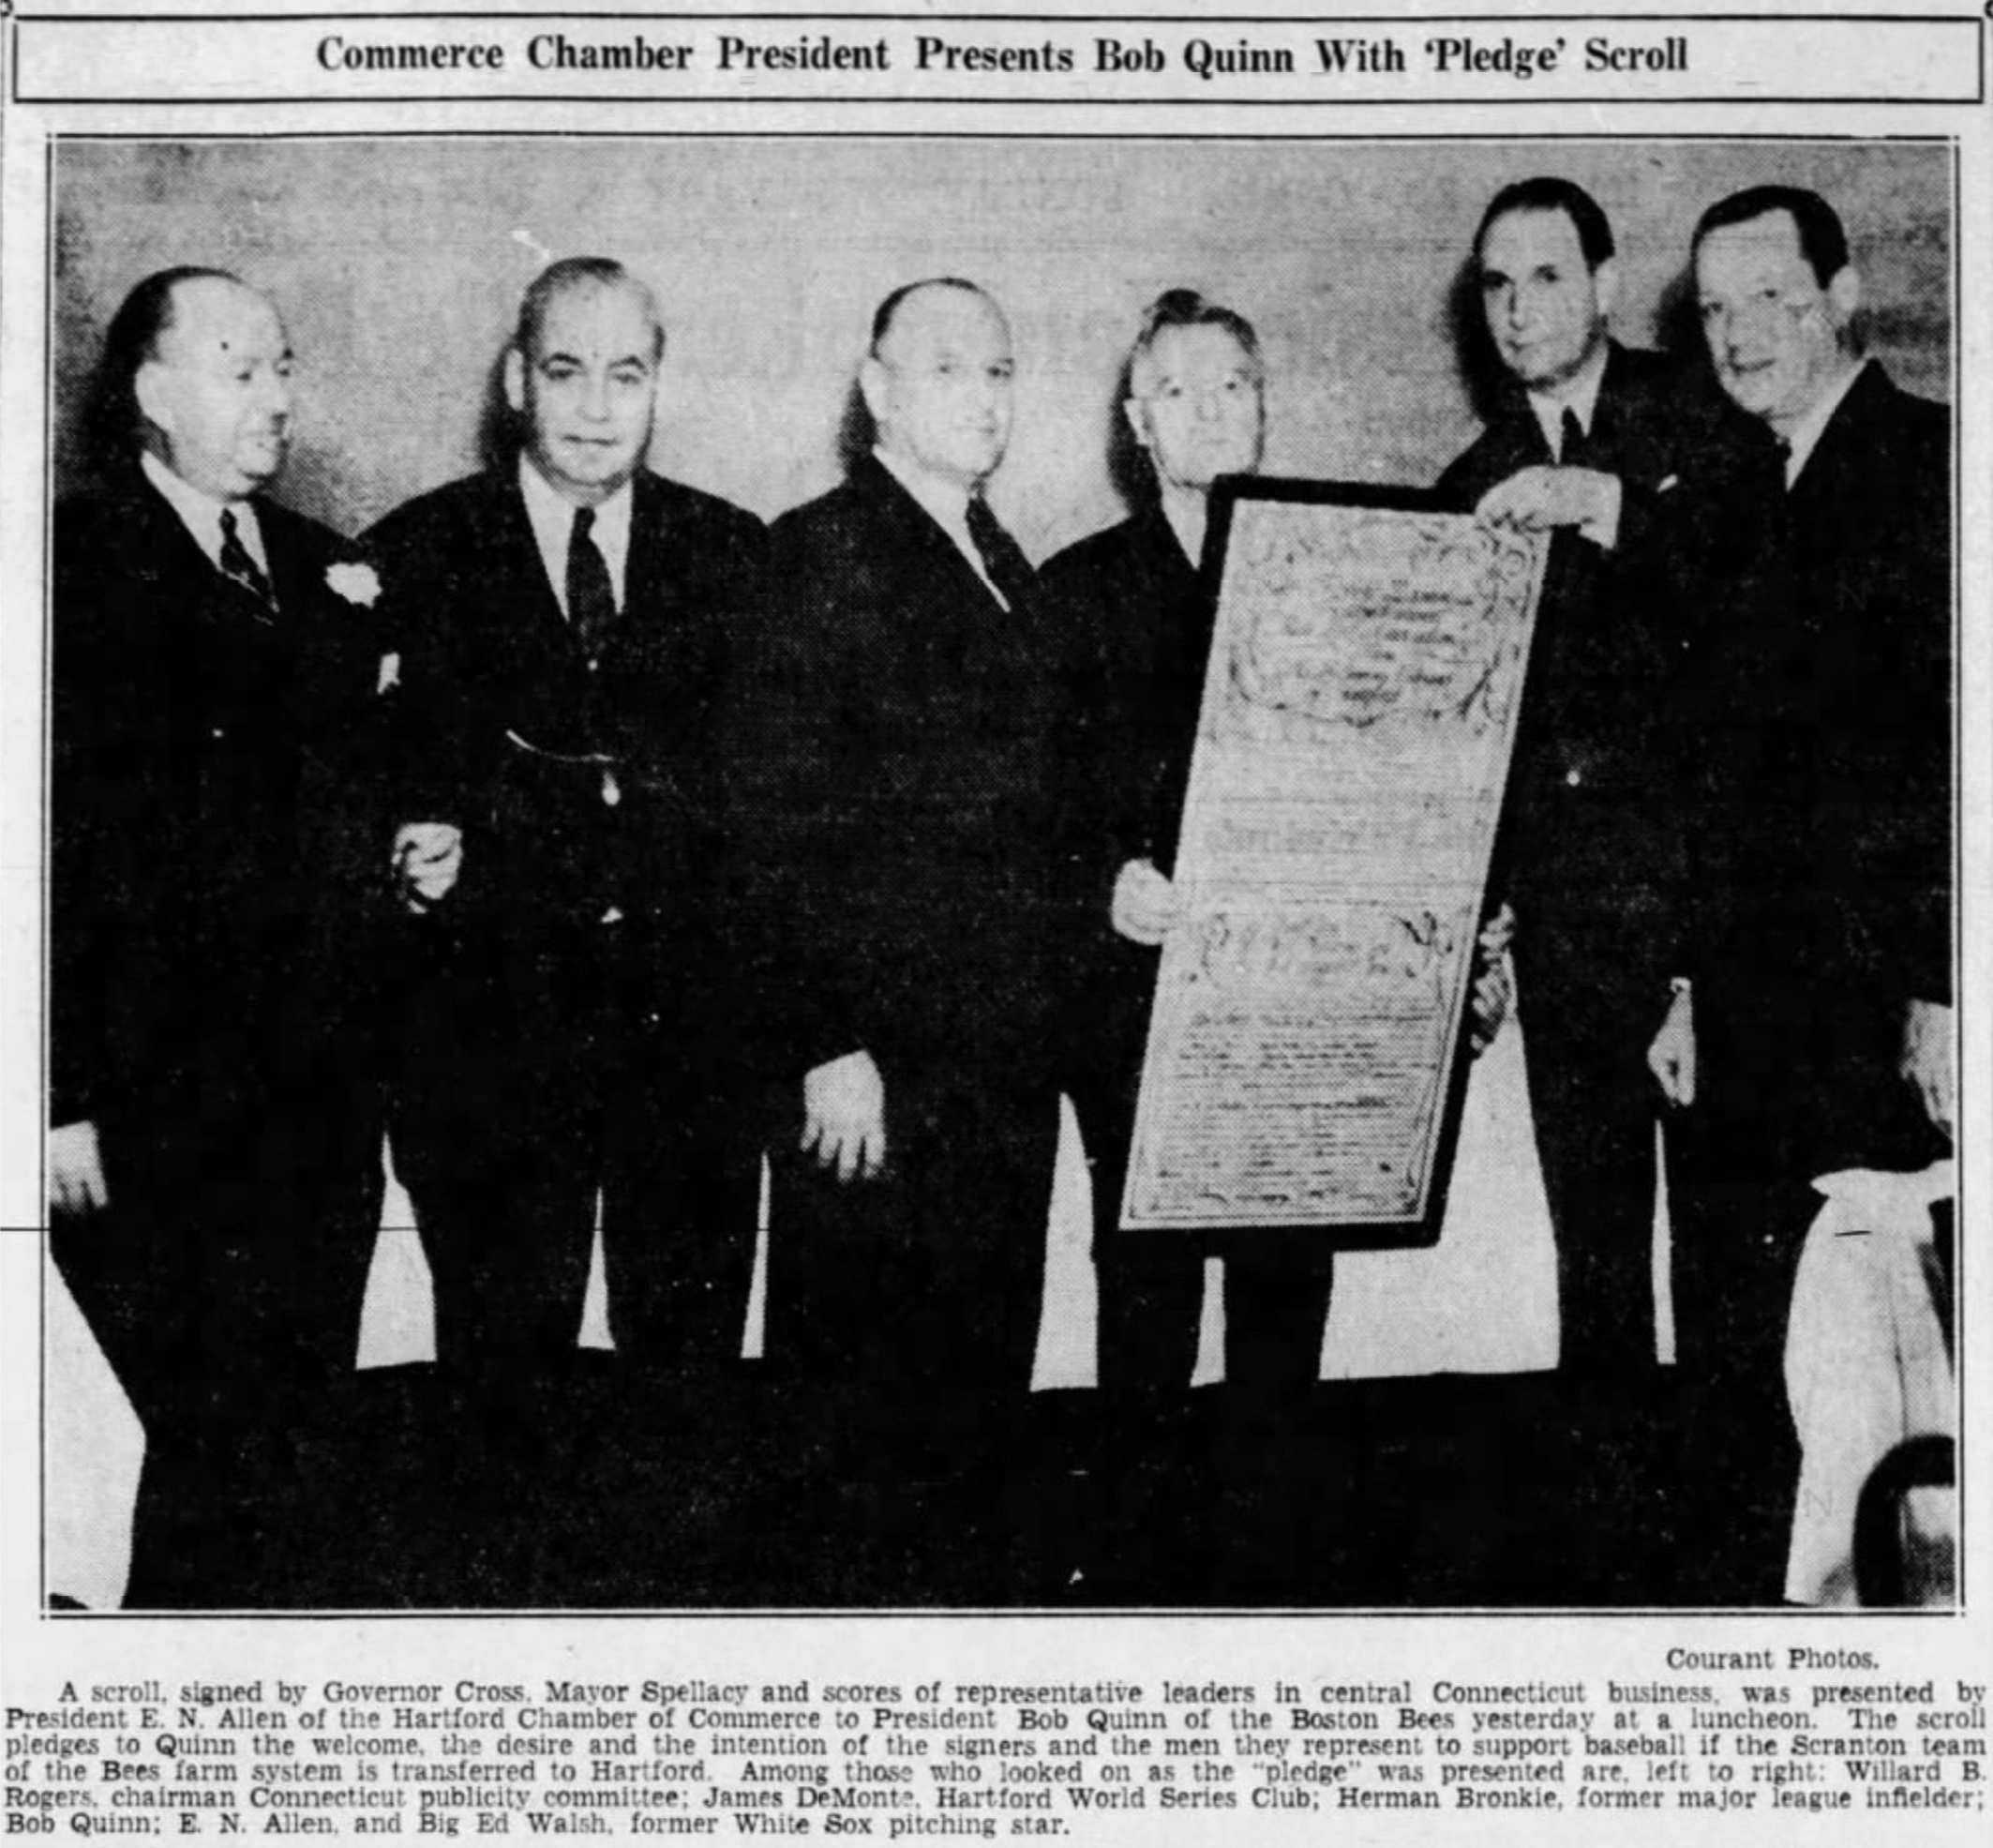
572,273
1186,307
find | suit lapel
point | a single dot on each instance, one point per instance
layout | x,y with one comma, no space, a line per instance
1612,435
934,563
509,555
655,571
1518,443
1631,421
298,562
166,556
1831,480
655,568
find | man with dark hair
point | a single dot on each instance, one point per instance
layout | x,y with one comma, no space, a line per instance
1819,1031
1592,442
1842,828
565,624
1553,194
1822,238
901,829
214,1170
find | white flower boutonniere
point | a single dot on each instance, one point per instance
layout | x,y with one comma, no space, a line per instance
357,583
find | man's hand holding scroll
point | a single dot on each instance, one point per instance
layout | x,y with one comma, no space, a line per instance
1493,985
1541,499
1146,906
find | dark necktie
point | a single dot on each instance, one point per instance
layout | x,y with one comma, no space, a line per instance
1003,559
237,564
1573,447
590,599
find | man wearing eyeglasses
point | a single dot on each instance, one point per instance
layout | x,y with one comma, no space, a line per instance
1818,1033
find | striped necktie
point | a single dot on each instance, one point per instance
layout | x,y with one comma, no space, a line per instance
239,567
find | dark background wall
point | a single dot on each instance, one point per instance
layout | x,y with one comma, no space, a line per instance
398,264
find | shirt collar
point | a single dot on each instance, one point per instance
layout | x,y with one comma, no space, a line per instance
552,518
1579,394
200,513
1804,436
946,503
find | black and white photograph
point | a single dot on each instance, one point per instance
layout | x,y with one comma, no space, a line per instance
766,852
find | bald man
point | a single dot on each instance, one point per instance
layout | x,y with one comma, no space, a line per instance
902,831
214,1158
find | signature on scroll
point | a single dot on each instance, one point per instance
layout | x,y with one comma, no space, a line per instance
1353,618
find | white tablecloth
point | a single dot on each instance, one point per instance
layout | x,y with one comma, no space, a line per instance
1484,1299
1866,1366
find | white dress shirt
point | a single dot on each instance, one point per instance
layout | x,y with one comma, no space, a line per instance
553,516
947,504
200,514
1579,393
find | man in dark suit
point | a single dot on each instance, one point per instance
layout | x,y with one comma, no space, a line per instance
1127,606
901,827
1819,1034
1133,615
215,1162
1848,675
1593,441
564,632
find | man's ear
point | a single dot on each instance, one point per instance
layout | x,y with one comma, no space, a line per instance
1605,282
148,391
1132,408
515,380
1844,296
872,383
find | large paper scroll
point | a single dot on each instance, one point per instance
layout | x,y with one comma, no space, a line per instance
1366,671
